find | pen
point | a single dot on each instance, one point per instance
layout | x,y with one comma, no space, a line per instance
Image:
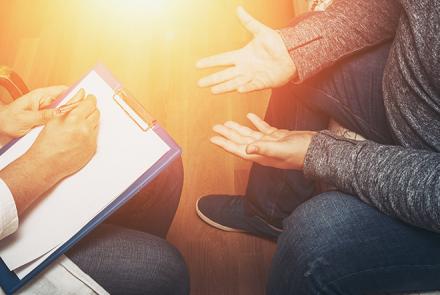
67,108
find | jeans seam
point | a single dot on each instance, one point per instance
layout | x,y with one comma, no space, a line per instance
380,268
363,122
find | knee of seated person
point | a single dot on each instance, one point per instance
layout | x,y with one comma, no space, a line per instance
312,245
165,271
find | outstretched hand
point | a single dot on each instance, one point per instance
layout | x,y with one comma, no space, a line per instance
267,145
263,63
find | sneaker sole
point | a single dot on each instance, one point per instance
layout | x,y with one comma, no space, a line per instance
226,228
215,224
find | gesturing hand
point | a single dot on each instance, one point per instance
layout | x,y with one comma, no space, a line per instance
267,146
27,112
263,63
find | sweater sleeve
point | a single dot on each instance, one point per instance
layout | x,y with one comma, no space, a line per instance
401,182
317,41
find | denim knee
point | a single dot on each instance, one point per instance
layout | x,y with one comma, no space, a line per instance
311,246
165,272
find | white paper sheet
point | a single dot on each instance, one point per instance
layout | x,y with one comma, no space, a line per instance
124,153
24,270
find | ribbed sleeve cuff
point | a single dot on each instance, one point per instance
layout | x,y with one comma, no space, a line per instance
303,45
331,158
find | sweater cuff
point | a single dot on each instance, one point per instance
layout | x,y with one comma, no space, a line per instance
303,45
331,158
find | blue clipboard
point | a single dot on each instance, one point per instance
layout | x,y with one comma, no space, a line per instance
9,281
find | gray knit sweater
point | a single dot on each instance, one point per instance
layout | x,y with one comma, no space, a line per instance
403,180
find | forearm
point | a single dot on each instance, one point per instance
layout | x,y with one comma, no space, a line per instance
347,26
401,182
28,178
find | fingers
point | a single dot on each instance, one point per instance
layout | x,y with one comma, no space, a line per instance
37,118
249,88
232,135
244,131
230,85
85,108
260,124
51,94
231,147
93,119
250,23
78,96
40,98
271,149
223,59
219,77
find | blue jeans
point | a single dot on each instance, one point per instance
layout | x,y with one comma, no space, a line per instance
129,254
333,243
336,244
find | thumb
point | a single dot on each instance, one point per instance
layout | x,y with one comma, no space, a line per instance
250,23
42,117
265,148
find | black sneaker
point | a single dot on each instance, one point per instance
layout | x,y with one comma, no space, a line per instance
229,213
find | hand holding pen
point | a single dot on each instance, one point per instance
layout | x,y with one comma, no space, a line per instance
71,105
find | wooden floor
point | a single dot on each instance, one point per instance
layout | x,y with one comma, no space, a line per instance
152,47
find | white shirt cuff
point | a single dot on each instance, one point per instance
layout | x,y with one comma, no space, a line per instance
8,212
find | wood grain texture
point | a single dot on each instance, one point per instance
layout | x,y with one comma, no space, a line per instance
152,50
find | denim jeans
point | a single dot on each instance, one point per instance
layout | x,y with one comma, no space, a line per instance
333,243
336,244
128,254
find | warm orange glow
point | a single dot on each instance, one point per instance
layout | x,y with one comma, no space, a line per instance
150,45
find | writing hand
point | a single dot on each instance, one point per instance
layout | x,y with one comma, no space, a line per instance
267,145
263,63
65,145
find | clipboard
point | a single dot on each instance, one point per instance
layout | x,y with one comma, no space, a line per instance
9,281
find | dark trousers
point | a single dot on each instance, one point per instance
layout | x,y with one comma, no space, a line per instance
333,243
351,94
128,254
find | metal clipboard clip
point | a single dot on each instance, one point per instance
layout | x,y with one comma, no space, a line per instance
134,109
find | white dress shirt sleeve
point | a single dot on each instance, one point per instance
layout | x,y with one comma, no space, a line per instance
8,211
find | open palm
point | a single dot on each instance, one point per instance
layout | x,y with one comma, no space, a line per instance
266,145
262,63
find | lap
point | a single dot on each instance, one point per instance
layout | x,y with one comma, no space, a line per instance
126,261
349,92
336,244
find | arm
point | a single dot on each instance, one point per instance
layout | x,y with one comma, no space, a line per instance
347,26
401,182
64,146
27,179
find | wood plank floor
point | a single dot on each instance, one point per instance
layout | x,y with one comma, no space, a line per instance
152,47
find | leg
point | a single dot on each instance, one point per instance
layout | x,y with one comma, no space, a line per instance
125,261
152,210
350,93
336,244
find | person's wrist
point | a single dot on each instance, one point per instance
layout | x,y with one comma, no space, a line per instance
289,62
44,165
309,138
